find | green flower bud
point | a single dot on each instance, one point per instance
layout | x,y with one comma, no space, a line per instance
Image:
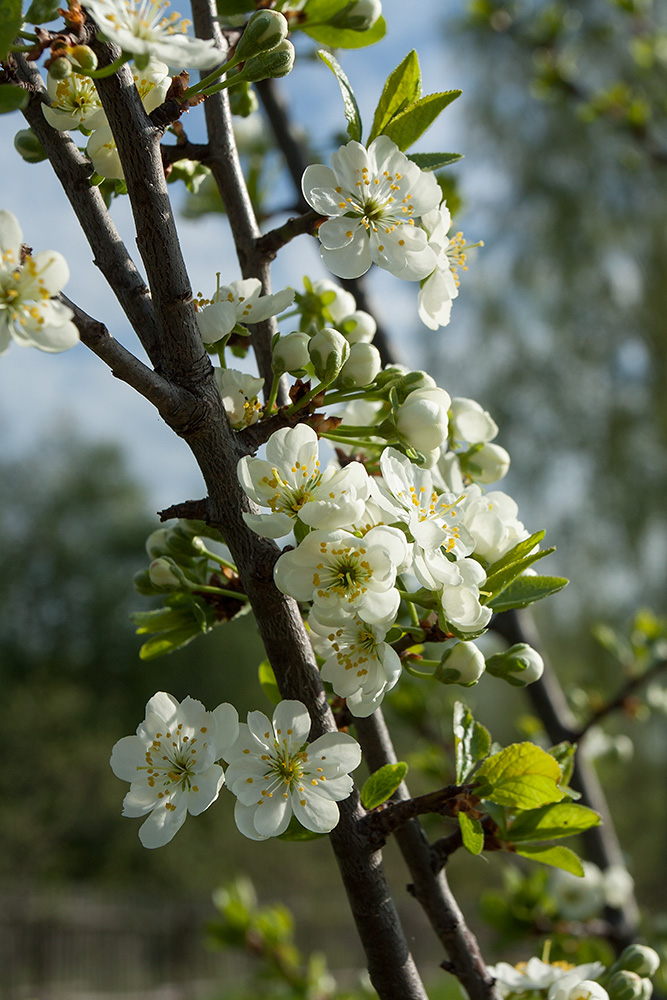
243,100
519,665
290,353
462,663
157,543
625,985
166,574
84,57
361,367
359,326
359,16
640,959
647,989
28,146
143,585
413,382
276,63
60,68
329,350
487,464
264,32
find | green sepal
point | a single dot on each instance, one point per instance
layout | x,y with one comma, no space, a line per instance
522,776
268,682
11,19
402,88
551,822
345,38
434,161
557,857
407,126
349,100
471,741
472,833
382,784
12,98
526,590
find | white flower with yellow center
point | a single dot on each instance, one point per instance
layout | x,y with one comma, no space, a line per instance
344,575
239,392
238,302
359,665
375,199
525,977
74,102
171,763
147,30
441,287
290,482
460,596
275,774
491,518
28,314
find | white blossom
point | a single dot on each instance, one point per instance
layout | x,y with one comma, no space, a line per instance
441,286
339,303
460,599
103,154
289,481
525,977
28,314
359,665
145,28
74,102
374,198
171,763
422,420
468,421
344,575
491,519
237,302
239,392
573,987
276,774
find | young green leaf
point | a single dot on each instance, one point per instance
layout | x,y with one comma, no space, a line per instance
496,582
407,126
433,161
472,833
11,19
403,87
565,753
345,38
527,589
471,741
558,857
12,98
564,819
522,776
349,100
267,680
382,784
520,550
167,642
41,11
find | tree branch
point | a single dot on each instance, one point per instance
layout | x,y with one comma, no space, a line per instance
270,243
621,698
391,816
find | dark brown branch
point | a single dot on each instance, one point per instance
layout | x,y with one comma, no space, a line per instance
626,692
391,816
431,890
183,151
171,402
269,244
191,510
73,171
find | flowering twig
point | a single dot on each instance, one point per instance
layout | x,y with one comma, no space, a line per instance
270,243
389,817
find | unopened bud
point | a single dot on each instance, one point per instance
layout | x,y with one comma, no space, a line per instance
243,100
156,543
28,146
470,422
640,959
361,367
290,353
329,350
414,381
264,32
83,57
276,63
360,16
360,327
422,420
165,574
461,664
519,665
60,68
625,985
487,464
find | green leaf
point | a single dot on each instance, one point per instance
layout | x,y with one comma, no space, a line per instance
520,550
565,753
402,87
558,857
552,822
346,38
521,776
496,582
167,642
297,832
11,19
12,98
42,11
527,589
406,127
433,161
267,679
349,100
230,8
471,741
472,833
382,784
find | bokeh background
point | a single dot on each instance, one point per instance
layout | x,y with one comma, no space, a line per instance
559,331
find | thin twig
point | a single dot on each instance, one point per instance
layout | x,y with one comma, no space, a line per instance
621,698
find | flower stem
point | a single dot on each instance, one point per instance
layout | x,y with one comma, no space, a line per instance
99,74
273,395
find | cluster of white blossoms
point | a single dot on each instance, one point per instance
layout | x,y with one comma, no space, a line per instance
558,980
29,314
173,766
